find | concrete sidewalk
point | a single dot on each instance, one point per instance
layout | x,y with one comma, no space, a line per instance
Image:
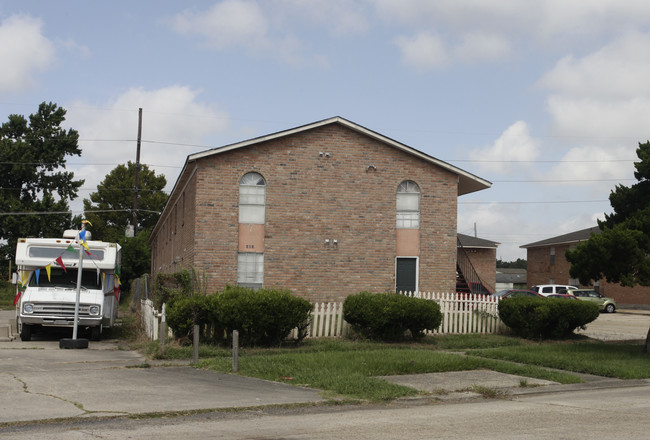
39,381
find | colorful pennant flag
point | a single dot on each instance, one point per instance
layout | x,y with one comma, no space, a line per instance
48,269
70,249
37,274
59,261
23,277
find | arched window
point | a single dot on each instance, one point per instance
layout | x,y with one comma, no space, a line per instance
408,205
252,198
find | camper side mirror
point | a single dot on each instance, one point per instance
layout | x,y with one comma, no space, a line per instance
14,278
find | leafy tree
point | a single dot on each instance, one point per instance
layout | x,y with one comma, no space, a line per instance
136,256
621,252
520,263
113,202
32,178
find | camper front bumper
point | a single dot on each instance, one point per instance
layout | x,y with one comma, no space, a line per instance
60,314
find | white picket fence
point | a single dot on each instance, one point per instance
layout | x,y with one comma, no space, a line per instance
461,314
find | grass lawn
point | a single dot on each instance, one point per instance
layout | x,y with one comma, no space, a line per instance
347,368
7,295
623,361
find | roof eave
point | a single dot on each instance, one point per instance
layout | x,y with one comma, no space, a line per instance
467,182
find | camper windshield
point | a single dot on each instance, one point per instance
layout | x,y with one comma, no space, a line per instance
53,252
90,279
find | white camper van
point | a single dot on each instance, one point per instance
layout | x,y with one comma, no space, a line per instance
46,279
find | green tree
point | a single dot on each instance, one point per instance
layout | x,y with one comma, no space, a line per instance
33,180
518,264
110,211
621,252
136,257
113,202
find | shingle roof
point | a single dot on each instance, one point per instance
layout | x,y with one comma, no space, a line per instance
474,242
509,275
571,237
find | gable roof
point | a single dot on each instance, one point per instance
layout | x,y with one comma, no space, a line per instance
511,275
474,242
571,237
467,182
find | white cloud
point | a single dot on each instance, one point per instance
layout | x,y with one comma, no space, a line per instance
337,17
172,115
603,96
603,121
228,24
24,52
476,30
596,169
426,51
618,70
482,46
559,18
423,52
542,20
261,29
513,146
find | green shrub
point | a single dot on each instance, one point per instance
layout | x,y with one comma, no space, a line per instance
545,318
262,317
183,312
389,316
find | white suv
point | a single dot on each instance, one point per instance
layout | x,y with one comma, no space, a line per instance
549,289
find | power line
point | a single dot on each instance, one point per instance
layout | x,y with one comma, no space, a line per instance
562,180
533,203
75,211
541,161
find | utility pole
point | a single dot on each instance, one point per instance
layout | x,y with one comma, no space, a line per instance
136,180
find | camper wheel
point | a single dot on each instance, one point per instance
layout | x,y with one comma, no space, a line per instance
25,332
96,333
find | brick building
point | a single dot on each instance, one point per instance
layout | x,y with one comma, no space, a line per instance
547,264
326,210
482,255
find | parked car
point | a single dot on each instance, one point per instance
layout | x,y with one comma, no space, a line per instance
511,293
562,296
605,304
549,289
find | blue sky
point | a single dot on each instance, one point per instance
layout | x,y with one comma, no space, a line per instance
546,99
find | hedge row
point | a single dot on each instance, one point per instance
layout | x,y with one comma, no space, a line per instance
544,318
263,317
391,316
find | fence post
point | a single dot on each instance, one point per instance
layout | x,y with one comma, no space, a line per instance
195,343
235,351
163,328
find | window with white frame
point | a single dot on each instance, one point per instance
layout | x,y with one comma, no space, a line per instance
408,205
252,198
250,269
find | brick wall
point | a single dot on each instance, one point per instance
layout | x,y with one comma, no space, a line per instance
485,264
173,244
311,198
540,271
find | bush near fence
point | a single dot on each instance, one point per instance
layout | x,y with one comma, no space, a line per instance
390,316
461,314
543,318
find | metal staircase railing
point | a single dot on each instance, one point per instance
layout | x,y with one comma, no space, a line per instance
468,274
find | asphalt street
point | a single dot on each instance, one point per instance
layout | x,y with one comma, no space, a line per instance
39,381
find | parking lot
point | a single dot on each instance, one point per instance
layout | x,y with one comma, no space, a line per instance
623,325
